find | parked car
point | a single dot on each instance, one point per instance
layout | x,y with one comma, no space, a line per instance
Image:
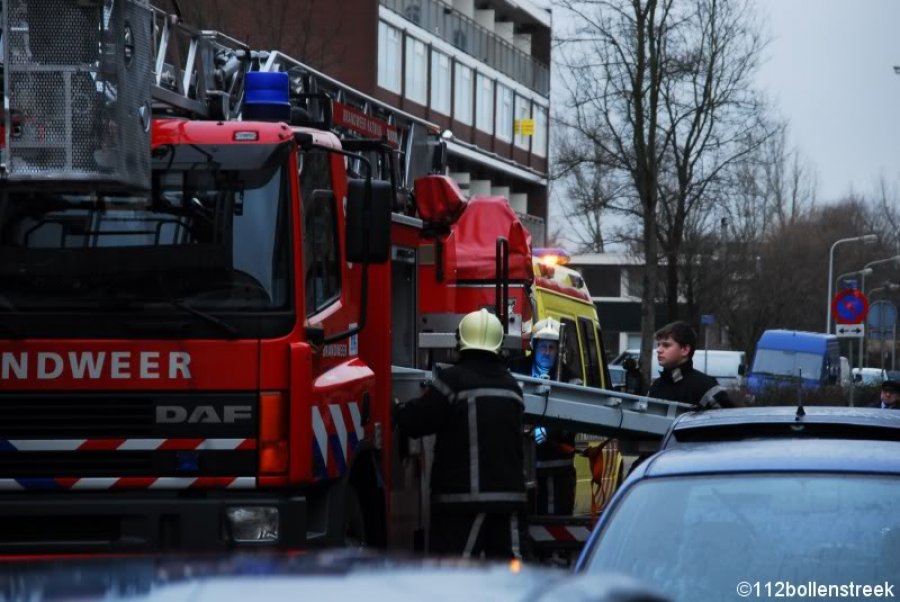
325,575
740,500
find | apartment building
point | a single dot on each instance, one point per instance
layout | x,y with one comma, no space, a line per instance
477,68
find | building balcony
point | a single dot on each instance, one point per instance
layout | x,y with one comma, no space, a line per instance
442,20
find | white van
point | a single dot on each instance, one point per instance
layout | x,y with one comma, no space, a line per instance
845,372
728,367
869,377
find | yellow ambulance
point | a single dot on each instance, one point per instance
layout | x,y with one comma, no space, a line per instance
560,292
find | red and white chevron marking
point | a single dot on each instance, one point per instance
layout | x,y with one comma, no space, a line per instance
35,445
340,421
103,483
542,533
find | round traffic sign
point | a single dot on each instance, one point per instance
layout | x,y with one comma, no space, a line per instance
882,315
849,306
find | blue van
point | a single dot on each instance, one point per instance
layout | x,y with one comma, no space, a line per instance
784,356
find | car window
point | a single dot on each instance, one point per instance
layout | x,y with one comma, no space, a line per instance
593,367
698,537
573,348
788,363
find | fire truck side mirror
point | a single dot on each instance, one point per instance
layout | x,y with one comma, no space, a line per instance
439,157
368,221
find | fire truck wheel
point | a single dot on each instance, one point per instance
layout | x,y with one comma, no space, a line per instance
354,531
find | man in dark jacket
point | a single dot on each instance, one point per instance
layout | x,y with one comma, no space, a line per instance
555,452
890,395
477,479
679,381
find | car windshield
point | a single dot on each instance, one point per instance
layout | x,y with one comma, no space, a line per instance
698,537
787,363
213,234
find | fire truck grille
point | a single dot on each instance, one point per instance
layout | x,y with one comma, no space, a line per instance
158,463
127,434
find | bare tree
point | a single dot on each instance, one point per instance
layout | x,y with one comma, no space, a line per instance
302,29
659,98
713,118
591,192
887,207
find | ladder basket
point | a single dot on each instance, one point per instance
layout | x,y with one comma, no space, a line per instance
77,75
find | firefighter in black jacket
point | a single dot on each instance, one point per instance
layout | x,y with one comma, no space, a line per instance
679,381
555,453
477,479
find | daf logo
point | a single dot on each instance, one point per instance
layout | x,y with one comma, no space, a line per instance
202,414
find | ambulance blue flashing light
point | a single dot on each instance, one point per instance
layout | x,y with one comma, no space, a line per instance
266,97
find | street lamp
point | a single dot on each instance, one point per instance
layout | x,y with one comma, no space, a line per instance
863,272
867,269
887,286
868,239
868,266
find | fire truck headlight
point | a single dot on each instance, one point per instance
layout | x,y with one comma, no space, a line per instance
247,524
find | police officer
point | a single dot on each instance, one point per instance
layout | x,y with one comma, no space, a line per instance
679,381
555,453
890,395
477,479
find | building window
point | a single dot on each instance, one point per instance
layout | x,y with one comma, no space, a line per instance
416,71
484,103
539,146
523,111
462,95
633,341
440,82
390,66
504,113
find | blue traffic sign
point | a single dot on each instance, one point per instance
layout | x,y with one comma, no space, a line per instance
882,315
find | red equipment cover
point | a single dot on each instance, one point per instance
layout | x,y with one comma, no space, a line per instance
438,199
471,246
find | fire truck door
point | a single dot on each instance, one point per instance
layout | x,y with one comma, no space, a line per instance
403,306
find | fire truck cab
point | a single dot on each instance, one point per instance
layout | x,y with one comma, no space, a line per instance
203,289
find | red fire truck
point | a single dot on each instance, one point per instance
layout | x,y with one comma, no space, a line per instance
219,269
199,314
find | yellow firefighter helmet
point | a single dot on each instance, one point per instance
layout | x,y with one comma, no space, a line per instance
480,330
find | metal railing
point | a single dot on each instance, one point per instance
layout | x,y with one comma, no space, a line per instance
450,25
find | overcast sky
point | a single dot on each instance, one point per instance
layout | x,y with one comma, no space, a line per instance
829,72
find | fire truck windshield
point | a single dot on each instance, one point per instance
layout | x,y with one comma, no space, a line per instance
212,237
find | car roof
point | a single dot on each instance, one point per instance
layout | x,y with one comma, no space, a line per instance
781,422
776,455
276,575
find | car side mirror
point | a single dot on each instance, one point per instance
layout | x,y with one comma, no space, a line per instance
857,378
742,370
